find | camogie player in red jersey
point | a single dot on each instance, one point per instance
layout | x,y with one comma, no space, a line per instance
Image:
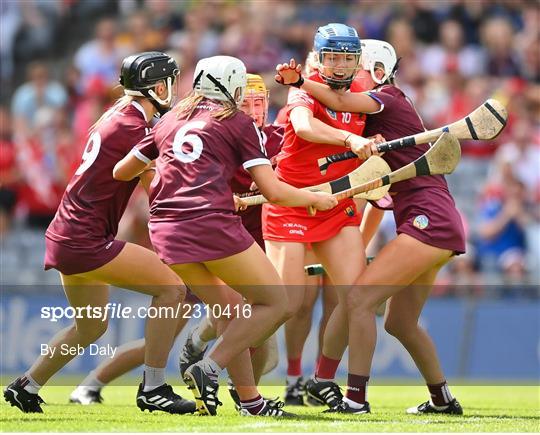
198,146
81,244
131,355
427,223
314,130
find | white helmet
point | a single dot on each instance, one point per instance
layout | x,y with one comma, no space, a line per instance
219,77
374,51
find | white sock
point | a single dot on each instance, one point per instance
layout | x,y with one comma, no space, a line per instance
316,379
92,382
291,380
153,378
32,386
352,403
211,368
198,344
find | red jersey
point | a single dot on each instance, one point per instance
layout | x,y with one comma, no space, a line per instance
297,161
398,118
196,160
94,201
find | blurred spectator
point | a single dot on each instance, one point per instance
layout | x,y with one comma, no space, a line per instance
497,36
43,181
90,107
450,55
501,231
101,56
10,21
9,174
520,159
140,35
39,91
37,30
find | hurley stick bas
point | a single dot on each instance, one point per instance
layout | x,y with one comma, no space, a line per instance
372,168
484,123
441,158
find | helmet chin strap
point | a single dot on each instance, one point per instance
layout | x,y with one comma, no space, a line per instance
374,77
162,106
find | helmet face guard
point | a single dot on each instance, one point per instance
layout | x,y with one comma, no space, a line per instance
338,46
256,100
336,60
142,71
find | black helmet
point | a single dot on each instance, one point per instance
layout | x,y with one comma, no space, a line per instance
140,72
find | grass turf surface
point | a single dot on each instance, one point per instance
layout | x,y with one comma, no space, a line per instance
487,409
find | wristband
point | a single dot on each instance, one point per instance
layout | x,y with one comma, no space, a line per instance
298,83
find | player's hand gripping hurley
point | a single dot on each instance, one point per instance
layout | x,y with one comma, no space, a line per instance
372,168
441,158
484,123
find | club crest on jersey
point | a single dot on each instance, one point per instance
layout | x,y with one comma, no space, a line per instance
421,221
349,211
331,113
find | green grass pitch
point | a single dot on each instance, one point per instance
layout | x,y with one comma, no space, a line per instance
487,409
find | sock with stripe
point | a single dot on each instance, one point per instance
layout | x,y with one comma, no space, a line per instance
253,406
92,382
440,394
326,368
29,384
153,377
356,390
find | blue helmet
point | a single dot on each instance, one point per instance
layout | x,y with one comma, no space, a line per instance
337,38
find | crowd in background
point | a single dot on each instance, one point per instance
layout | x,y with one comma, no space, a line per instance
59,69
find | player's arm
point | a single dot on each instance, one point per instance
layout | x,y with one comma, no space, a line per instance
146,177
343,102
281,193
312,129
371,220
139,159
131,166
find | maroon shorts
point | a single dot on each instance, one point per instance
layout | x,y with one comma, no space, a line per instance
70,261
203,238
430,216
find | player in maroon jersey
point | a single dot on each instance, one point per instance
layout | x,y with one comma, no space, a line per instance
314,130
81,244
427,223
131,355
197,147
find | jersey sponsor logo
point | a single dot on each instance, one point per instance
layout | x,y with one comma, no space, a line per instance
331,113
421,221
294,228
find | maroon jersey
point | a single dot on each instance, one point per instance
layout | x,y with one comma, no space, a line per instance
241,182
198,157
94,201
398,118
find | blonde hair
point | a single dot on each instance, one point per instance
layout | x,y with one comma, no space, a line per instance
312,63
187,106
122,102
